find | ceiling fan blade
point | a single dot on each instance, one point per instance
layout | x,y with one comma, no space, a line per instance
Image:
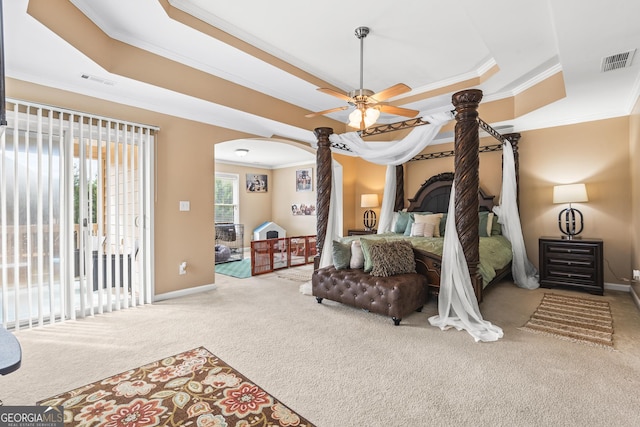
390,92
319,113
398,111
335,93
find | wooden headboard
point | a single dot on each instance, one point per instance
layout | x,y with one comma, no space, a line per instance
433,196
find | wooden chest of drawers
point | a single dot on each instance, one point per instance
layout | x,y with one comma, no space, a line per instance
572,263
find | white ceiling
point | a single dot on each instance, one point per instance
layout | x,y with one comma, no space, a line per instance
423,43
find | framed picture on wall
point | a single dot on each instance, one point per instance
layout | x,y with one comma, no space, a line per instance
304,180
303,209
256,183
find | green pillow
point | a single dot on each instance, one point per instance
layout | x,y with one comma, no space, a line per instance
443,224
496,227
341,255
401,222
407,230
482,219
366,244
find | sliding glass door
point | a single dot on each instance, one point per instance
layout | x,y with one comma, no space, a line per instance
75,214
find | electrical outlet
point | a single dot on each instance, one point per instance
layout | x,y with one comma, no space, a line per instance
636,274
182,268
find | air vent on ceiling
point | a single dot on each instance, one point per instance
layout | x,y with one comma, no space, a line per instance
98,79
617,61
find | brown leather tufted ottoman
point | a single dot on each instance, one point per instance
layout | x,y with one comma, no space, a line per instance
394,296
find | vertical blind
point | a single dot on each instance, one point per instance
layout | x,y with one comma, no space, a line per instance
75,215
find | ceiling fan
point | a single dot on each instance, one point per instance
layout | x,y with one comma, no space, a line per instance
368,104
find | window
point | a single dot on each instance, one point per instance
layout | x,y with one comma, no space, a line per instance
226,198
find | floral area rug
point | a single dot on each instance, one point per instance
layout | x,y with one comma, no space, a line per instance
193,388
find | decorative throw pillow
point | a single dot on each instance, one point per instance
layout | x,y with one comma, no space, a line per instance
443,224
417,229
489,223
407,230
483,218
357,257
366,245
496,227
431,219
401,222
422,229
428,230
341,255
391,258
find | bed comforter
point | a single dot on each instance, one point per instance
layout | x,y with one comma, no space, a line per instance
495,251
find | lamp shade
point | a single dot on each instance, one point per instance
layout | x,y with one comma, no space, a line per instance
370,117
571,193
369,201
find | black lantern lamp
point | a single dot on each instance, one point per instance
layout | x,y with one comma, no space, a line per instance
570,219
369,201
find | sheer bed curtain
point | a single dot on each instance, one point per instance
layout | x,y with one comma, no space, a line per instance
524,273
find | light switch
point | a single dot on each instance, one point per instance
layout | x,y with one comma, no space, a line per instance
185,206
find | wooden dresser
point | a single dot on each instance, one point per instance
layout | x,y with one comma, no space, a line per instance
574,263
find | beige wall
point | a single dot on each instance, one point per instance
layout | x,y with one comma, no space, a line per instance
285,195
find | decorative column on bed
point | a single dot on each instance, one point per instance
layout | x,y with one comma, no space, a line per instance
323,188
466,181
399,203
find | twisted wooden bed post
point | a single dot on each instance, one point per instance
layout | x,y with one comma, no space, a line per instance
323,188
467,143
399,203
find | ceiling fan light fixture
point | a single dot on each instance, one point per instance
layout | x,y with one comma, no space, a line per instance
370,117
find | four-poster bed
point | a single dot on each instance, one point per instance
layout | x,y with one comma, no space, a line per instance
465,179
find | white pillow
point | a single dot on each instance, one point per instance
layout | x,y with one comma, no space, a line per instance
417,229
357,256
422,229
431,219
428,230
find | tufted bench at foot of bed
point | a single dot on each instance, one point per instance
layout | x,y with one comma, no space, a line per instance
394,296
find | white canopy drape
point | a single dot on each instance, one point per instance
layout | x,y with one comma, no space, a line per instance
524,273
457,303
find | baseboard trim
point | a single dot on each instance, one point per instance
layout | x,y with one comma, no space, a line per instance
617,287
184,292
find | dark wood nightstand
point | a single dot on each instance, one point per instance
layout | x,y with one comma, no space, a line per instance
573,263
360,232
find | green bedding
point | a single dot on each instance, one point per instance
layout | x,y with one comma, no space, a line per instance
495,251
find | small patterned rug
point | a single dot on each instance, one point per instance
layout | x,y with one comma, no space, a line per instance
297,274
239,269
583,320
192,388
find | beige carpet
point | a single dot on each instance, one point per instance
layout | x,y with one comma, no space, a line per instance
578,319
341,367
